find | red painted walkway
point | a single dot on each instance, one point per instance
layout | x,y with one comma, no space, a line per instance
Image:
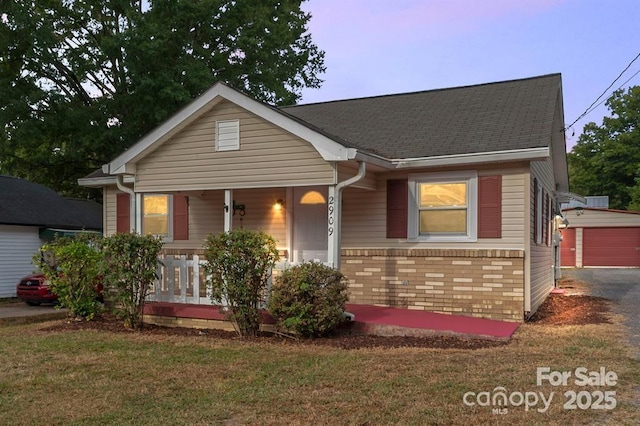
370,319
396,321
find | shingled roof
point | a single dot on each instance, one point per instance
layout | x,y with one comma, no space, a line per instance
502,116
31,204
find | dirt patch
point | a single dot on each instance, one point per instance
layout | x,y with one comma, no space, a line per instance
557,310
562,309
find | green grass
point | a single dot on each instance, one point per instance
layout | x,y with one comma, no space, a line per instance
90,377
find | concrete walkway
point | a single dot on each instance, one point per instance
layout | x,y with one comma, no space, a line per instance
16,312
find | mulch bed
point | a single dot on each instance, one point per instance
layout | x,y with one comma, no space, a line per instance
557,310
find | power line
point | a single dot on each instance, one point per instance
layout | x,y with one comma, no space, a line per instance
593,104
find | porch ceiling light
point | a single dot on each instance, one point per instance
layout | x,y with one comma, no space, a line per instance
313,197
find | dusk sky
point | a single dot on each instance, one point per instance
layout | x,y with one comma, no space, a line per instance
377,47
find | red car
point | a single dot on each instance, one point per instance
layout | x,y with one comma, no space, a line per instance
34,290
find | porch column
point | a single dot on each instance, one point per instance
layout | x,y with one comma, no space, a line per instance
228,209
333,227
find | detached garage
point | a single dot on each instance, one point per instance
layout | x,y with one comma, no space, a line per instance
600,237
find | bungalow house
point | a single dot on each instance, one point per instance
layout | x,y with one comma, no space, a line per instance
31,214
439,200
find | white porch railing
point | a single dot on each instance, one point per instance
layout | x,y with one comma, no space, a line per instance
182,280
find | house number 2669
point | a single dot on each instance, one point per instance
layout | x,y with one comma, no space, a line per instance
331,213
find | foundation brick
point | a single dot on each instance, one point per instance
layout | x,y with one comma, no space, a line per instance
482,283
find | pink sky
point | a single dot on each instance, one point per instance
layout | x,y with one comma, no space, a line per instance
376,47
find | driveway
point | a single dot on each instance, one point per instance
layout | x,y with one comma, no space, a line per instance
622,287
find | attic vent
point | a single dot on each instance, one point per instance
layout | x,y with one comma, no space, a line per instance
227,135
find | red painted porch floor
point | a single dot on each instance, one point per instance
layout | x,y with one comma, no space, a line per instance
396,321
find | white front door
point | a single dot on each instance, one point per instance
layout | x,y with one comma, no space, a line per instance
310,223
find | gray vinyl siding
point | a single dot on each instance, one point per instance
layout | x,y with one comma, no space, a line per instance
364,216
541,275
268,157
18,244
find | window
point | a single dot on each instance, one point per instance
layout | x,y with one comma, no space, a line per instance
156,214
537,211
443,206
227,135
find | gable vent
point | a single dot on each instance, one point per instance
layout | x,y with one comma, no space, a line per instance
228,135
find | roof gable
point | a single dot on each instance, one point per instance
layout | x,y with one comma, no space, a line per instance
329,149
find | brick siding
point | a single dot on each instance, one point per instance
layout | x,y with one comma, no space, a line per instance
479,283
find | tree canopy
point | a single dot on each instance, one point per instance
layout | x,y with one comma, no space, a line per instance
606,159
82,80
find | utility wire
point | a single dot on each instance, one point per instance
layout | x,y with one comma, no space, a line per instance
619,87
595,103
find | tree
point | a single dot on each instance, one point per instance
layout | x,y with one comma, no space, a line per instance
82,80
606,159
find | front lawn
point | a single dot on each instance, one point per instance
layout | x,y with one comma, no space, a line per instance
98,377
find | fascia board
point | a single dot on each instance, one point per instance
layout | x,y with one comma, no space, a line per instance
531,154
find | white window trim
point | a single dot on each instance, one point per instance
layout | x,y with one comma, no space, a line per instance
236,135
471,177
140,213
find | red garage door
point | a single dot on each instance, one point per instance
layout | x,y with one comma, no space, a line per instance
611,247
568,247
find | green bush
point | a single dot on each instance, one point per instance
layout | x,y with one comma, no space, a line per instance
238,265
72,266
309,299
130,266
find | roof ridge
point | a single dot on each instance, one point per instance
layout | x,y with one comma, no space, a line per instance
417,92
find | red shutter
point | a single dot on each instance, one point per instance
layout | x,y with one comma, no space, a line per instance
180,217
123,220
397,199
490,207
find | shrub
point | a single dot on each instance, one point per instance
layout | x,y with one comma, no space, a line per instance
238,264
72,266
130,265
309,299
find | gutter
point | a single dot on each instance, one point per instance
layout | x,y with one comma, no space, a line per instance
362,171
529,154
337,244
132,201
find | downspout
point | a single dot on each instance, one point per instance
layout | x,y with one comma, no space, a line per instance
362,171
132,201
